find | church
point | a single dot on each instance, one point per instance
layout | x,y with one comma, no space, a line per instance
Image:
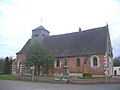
77,52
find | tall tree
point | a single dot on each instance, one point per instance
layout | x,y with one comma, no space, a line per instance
117,61
39,56
8,65
1,65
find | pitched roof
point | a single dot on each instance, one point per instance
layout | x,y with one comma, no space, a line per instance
40,28
25,47
92,41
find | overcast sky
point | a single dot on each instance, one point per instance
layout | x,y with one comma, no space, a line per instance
19,17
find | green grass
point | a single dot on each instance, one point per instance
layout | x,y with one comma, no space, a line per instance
6,77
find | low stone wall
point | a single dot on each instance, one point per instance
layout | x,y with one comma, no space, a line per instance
70,80
95,81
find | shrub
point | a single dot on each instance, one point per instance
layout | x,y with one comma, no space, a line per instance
87,75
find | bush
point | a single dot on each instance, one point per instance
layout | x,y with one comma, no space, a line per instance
87,75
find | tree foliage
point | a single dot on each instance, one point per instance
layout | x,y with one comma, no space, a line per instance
39,56
6,65
117,61
1,65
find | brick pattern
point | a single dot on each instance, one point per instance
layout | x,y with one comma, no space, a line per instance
83,67
71,65
21,57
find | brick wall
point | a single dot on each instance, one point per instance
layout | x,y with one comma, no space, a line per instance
83,67
72,64
21,57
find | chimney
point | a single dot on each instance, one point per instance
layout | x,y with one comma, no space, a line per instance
79,29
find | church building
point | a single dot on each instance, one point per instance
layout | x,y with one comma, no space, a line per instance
83,51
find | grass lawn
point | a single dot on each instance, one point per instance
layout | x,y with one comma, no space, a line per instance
6,77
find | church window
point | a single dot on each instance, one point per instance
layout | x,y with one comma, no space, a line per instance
58,63
78,62
95,61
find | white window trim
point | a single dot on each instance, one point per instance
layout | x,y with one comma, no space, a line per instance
55,64
97,60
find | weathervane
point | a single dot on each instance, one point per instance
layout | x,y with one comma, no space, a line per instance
41,21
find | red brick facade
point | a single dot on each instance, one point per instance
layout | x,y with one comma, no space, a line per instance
83,67
21,57
71,64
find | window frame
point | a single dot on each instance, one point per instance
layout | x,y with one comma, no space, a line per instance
57,63
78,64
95,61
92,61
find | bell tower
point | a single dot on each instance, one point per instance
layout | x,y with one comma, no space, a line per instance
38,34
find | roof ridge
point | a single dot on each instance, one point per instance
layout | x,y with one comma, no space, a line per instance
63,34
79,32
40,28
96,28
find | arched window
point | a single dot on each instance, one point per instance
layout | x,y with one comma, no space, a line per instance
95,61
77,62
58,63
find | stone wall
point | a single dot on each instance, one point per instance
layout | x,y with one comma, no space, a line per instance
71,80
95,81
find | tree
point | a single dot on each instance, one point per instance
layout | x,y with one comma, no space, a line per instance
39,56
8,65
117,61
1,65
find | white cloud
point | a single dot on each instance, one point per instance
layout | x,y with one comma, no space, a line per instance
19,17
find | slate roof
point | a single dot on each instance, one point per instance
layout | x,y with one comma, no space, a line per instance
41,28
25,47
92,41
